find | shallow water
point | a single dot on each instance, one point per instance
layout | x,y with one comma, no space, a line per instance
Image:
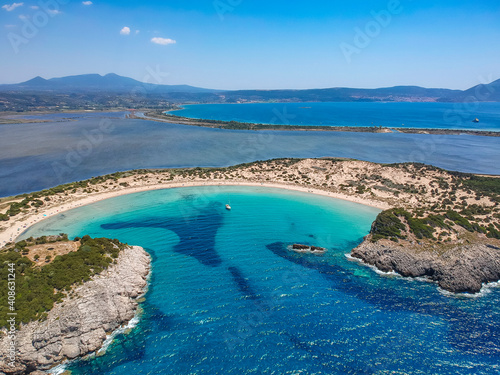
41,155
227,297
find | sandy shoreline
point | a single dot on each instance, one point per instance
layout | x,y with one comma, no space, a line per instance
17,227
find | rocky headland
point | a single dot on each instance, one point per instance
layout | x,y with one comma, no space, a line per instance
460,268
79,324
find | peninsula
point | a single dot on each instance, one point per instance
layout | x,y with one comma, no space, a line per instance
161,116
70,295
434,223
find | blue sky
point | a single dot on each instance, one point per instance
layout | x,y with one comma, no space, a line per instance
238,44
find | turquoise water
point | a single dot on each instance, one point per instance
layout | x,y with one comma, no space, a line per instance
409,115
227,297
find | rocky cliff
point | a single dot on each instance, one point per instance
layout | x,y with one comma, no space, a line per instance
79,325
462,268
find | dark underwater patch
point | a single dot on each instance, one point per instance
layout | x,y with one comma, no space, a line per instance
197,233
486,337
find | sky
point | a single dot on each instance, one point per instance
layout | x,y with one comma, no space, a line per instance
255,44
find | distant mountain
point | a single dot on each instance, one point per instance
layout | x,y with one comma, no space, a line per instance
398,93
484,92
110,83
115,85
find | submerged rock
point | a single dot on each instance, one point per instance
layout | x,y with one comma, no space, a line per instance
298,248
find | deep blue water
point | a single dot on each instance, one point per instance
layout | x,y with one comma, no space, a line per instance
228,297
393,115
41,155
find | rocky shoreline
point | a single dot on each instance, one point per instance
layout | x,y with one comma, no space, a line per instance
463,268
80,324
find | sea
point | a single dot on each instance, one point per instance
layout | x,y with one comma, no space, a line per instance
72,147
227,296
424,115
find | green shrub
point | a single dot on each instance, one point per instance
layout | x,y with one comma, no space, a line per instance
462,221
386,225
37,289
493,232
486,185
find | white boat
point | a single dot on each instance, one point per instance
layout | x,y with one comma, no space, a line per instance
228,207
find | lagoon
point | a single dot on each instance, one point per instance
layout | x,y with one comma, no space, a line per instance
36,156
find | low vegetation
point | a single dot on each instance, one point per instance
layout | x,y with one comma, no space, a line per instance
37,289
236,125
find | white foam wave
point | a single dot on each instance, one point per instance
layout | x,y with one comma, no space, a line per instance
109,339
482,293
61,368
58,370
375,269
485,290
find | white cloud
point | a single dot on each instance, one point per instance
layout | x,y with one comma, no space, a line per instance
23,17
53,12
10,26
137,31
35,7
11,7
87,2
163,41
125,31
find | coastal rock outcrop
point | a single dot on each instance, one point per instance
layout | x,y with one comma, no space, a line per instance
316,250
462,268
79,325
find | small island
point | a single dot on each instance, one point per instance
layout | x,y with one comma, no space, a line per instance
434,223
308,249
70,295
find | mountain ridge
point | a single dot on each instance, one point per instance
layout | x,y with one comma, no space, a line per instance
115,84
110,82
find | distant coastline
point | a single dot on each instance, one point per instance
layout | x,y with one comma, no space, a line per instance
160,116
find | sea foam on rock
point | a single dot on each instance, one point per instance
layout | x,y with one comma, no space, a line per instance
462,269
